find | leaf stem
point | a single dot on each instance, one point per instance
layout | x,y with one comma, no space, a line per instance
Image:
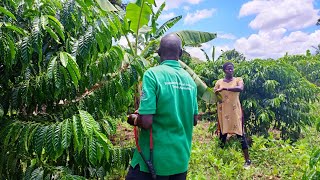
129,43
137,31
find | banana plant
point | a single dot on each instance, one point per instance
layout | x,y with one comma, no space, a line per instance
147,34
204,92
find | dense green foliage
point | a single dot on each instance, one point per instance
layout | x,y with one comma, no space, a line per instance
65,82
276,95
313,171
60,76
308,66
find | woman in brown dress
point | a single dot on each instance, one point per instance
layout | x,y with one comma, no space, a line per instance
230,117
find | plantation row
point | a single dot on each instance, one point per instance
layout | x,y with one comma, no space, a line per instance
278,93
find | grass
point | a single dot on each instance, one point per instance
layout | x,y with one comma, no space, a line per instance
271,158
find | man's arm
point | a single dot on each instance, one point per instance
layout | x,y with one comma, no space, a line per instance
145,121
148,102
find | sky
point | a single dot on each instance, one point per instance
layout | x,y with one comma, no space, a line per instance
257,28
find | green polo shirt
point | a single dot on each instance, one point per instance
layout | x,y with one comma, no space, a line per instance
170,94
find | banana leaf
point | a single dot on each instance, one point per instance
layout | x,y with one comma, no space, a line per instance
204,92
195,38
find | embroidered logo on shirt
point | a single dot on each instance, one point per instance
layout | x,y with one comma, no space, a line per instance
143,95
179,85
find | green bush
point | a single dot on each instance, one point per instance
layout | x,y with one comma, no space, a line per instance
276,95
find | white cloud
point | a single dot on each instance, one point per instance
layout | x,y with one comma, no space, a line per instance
226,36
123,41
207,47
220,49
280,25
167,16
198,53
172,4
192,18
186,8
275,43
274,14
194,1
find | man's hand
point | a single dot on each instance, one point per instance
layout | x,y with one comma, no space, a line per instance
133,119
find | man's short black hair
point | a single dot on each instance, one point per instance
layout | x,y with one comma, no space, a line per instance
170,47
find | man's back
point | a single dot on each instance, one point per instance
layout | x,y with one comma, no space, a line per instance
169,93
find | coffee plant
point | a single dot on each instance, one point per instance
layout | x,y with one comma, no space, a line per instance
276,94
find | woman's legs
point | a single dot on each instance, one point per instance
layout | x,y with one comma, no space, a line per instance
243,141
244,145
223,139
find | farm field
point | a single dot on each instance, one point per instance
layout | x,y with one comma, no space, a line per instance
71,72
271,157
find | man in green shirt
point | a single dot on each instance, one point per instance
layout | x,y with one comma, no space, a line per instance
169,106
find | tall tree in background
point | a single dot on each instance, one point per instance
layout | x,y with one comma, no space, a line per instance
317,48
232,55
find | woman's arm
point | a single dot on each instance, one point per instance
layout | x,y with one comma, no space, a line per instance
234,89
217,88
238,88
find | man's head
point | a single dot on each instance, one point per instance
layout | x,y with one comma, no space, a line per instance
170,47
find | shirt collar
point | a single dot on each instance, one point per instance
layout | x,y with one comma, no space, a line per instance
171,63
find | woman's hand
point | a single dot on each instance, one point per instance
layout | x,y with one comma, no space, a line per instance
218,90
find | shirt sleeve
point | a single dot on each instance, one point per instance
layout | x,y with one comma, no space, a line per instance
148,96
239,81
217,85
195,112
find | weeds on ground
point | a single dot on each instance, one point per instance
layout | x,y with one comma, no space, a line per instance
271,158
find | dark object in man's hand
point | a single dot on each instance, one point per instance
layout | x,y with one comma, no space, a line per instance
133,119
151,169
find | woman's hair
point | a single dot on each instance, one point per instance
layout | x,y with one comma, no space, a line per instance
226,64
